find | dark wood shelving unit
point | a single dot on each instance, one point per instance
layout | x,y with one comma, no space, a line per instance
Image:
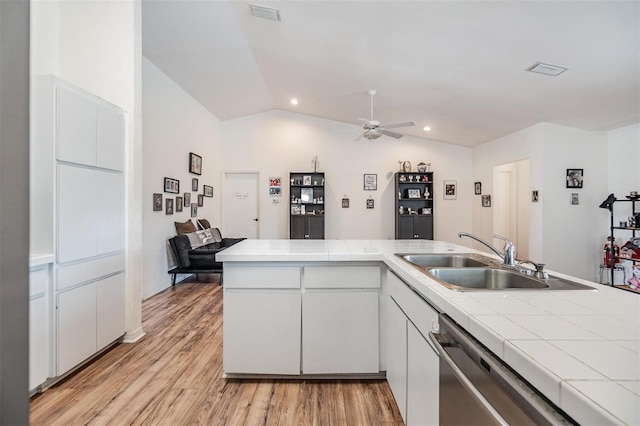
306,205
413,205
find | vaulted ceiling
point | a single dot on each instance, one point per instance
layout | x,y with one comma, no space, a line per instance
459,67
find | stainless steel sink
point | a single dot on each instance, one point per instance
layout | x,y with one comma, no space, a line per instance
483,279
446,260
473,279
475,272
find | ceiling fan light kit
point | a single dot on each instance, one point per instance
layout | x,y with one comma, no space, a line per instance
373,129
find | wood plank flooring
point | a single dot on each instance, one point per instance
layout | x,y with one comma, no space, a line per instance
173,376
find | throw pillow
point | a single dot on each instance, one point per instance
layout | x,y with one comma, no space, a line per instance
204,223
185,228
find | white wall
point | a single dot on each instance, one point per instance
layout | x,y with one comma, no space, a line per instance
574,234
174,125
524,144
278,142
566,237
96,45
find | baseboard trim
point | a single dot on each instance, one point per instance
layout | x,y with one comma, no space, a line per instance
337,376
133,336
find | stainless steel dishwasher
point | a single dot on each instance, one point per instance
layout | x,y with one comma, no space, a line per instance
476,388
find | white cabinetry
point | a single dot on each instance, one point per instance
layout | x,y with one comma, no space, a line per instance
397,356
39,325
90,308
76,322
412,364
340,332
261,332
90,212
300,318
78,186
423,368
90,131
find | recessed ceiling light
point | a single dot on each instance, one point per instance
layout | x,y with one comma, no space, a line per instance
546,69
265,12
427,129
294,101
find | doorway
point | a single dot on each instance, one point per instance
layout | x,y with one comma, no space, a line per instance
240,205
511,204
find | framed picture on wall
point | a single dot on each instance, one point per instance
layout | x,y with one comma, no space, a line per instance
187,199
194,184
157,202
574,178
477,188
178,204
450,190
486,201
168,206
200,200
207,191
171,185
370,182
194,210
195,164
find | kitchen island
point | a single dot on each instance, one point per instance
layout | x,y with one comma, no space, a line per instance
579,348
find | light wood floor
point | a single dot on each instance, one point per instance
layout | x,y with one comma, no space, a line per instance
173,377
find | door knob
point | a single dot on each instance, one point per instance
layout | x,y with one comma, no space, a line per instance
255,220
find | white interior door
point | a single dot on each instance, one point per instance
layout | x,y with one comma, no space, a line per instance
511,205
240,205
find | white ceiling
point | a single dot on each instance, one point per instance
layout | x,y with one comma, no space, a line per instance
457,66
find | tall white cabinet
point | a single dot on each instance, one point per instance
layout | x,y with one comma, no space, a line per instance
78,213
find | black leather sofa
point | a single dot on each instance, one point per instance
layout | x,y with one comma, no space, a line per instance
198,260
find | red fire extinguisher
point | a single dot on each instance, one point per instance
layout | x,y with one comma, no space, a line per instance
607,252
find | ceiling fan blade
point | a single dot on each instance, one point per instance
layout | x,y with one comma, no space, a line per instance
403,124
392,134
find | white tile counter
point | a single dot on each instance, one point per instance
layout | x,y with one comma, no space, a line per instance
580,348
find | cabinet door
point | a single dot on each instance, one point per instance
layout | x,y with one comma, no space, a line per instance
110,310
76,118
422,380
76,311
76,236
110,138
397,355
261,332
340,332
297,227
315,227
424,226
107,211
38,342
405,227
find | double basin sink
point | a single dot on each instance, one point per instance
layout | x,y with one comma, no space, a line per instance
473,272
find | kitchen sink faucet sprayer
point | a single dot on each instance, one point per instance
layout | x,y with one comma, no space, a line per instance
509,255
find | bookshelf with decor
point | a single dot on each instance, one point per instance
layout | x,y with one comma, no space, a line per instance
414,205
306,205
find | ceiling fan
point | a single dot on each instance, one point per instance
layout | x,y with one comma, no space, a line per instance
374,129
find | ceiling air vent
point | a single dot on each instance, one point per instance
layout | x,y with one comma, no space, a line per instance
547,69
265,12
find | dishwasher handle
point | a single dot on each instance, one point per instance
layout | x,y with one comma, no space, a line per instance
444,356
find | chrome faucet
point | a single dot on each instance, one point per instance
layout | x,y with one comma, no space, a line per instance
509,255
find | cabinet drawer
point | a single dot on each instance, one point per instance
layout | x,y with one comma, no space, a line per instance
419,312
342,276
246,276
69,276
38,280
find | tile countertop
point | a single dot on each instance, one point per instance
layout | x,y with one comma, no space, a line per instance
579,348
